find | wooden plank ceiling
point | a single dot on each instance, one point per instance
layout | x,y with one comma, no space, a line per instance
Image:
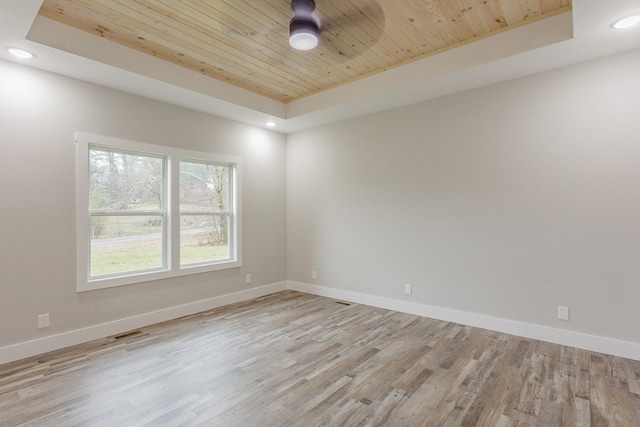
245,42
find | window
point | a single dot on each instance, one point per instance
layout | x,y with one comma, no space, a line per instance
205,215
148,212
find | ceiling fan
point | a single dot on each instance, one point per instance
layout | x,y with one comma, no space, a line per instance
305,26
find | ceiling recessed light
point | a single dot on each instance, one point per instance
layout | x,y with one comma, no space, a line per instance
20,53
627,22
270,124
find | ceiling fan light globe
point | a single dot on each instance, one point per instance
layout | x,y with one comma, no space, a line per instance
303,39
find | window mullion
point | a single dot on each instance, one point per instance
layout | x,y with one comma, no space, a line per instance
173,212
205,213
125,213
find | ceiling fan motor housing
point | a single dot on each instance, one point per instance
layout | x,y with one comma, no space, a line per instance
303,24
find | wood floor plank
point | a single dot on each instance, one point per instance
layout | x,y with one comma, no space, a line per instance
293,359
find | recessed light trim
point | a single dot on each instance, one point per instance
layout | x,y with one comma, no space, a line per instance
270,124
20,53
627,22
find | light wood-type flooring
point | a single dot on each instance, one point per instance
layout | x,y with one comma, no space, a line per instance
292,359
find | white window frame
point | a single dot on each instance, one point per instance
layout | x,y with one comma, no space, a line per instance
171,223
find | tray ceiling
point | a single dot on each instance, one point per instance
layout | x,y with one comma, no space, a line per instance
245,42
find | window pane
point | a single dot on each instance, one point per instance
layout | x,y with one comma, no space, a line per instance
203,238
204,187
120,181
124,244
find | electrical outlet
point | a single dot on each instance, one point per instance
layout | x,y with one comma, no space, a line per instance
314,275
247,279
407,289
43,321
563,313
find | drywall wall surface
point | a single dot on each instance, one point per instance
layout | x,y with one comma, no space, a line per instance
505,201
39,115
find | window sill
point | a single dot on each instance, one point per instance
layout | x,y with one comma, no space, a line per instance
84,285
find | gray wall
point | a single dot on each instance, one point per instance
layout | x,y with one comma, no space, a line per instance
505,201
39,114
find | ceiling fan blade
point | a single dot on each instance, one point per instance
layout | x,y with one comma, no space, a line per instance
350,26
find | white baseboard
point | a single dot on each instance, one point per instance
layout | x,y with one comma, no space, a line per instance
55,342
599,344
629,350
